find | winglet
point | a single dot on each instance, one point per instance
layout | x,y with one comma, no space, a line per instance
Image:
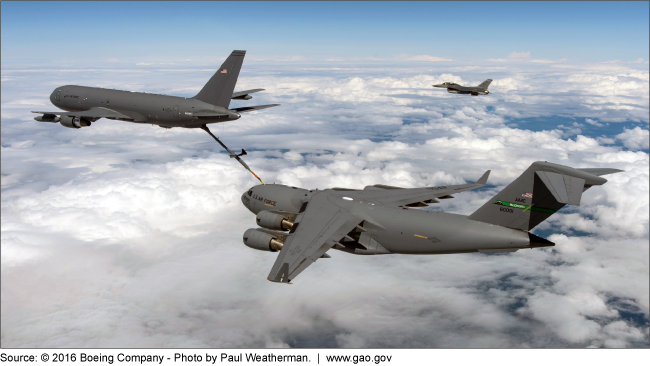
484,178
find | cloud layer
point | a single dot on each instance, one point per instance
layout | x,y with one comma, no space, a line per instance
130,235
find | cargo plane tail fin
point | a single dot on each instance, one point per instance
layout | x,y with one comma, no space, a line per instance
539,192
219,89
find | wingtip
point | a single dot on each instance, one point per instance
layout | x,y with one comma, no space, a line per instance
484,178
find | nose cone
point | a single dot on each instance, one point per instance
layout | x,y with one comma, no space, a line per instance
246,199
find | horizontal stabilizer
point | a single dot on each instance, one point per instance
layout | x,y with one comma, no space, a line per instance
244,94
253,108
601,171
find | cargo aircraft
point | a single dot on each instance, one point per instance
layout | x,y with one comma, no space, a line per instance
302,225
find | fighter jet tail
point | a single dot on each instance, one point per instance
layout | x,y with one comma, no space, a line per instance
219,89
485,84
539,192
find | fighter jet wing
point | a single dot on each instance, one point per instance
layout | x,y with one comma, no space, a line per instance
253,108
97,112
417,197
315,231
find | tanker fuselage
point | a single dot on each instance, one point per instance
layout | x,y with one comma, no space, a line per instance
163,110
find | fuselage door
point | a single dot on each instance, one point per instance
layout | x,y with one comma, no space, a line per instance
176,111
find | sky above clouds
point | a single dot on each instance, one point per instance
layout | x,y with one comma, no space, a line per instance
125,235
470,31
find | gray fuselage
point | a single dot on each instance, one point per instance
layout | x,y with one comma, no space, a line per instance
162,110
397,230
459,89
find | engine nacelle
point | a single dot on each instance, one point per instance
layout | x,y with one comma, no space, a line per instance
273,221
74,122
260,240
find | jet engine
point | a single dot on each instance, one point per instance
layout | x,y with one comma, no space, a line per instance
257,239
74,122
273,221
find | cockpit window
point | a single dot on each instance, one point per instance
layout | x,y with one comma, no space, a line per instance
250,192
449,83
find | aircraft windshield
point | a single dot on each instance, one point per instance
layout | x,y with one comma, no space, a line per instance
449,83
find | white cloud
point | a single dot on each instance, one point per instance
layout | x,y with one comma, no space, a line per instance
593,122
519,55
407,57
131,234
524,57
635,139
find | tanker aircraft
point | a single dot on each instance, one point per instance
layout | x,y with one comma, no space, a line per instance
84,105
379,219
480,89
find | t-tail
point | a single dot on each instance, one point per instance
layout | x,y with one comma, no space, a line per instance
484,85
219,89
538,193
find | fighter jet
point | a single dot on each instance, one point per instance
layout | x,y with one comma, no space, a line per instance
480,89
84,105
381,219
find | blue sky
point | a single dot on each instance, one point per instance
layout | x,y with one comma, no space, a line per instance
471,31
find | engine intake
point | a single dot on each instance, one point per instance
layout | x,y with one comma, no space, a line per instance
256,239
74,122
273,221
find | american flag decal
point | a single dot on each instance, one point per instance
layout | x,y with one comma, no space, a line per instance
527,195
224,71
